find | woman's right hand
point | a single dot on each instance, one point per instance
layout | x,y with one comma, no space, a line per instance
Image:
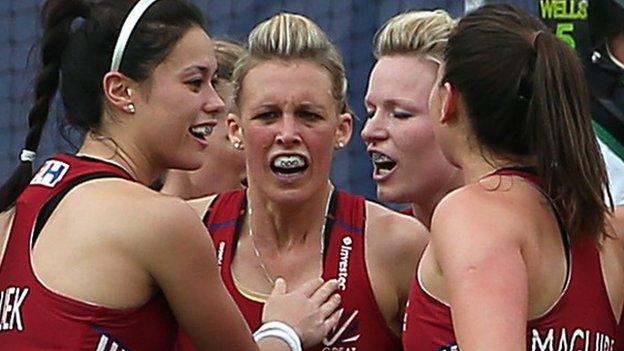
310,309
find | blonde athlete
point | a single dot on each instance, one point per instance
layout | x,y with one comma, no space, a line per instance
291,115
408,164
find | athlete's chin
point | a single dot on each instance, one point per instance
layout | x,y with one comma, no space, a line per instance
192,162
393,192
294,195
404,190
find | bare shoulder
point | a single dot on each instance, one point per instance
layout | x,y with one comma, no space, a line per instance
475,205
162,217
474,220
395,234
135,214
6,221
200,205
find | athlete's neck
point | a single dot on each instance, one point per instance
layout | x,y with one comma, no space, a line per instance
203,182
178,183
423,210
283,226
125,155
476,165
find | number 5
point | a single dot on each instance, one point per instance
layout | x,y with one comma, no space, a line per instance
564,32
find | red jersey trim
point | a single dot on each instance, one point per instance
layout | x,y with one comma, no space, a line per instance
79,322
346,218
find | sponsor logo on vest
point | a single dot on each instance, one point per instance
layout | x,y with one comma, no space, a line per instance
106,344
343,264
220,253
453,347
346,331
50,174
11,301
570,340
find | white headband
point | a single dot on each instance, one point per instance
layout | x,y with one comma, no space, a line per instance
126,29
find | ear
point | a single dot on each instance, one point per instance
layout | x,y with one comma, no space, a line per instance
344,130
118,90
235,130
450,101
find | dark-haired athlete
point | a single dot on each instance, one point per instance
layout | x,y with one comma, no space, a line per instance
95,260
521,257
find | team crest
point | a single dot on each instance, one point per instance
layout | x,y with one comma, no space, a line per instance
50,174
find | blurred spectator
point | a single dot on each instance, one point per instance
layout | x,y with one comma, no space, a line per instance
605,76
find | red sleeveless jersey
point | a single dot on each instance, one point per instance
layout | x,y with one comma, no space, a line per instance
362,326
34,317
582,318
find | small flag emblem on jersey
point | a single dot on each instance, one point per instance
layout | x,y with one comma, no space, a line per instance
50,174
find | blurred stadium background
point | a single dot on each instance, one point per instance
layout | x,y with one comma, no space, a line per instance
350,23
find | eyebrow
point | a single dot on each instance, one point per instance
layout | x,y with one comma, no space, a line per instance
402,100
393,101
311,105
200,68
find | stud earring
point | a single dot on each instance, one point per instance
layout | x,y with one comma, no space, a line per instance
238,145
339,145
131,108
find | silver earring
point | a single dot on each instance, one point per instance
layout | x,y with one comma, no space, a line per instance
339,145
238,145
131,108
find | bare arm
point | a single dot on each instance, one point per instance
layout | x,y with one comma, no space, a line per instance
177,251
179,255
395,243
483,270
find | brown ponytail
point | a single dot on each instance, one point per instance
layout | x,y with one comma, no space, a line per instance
562,136
526,95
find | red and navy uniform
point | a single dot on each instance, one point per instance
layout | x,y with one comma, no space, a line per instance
582,318
362,326
34,317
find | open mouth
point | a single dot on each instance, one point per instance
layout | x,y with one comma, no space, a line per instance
201,131
383,163
289,164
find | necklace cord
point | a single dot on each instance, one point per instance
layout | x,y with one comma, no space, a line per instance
268,276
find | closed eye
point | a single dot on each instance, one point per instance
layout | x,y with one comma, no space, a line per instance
370,114
401,114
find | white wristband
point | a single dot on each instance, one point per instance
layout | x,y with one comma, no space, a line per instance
281,331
